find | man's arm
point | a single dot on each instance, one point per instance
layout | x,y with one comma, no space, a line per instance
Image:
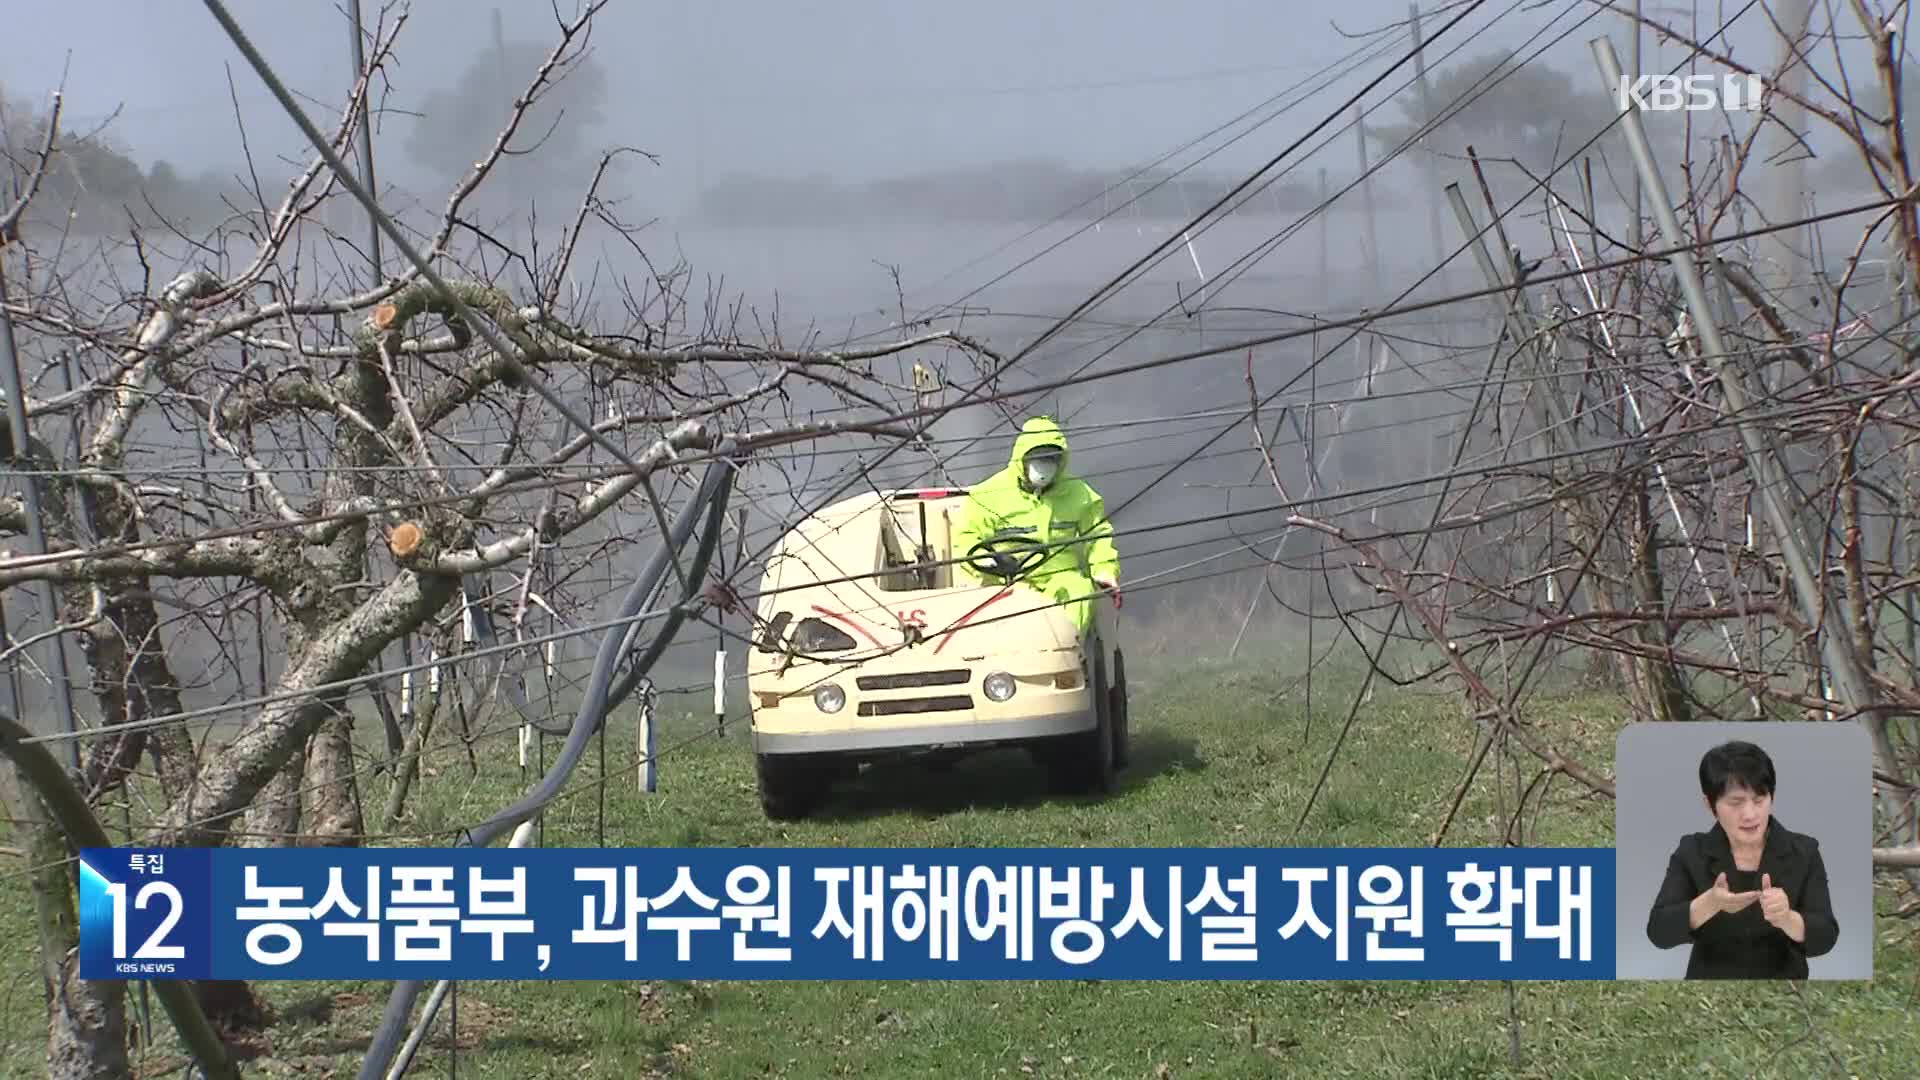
969,527
1103,560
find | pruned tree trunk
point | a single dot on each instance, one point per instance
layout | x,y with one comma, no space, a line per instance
229,782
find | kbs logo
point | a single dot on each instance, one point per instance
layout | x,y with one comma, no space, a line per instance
1690,93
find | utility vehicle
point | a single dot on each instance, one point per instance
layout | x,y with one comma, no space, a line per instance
872,643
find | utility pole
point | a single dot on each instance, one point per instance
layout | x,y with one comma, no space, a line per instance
1426,109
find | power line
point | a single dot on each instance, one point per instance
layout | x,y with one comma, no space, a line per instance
750,442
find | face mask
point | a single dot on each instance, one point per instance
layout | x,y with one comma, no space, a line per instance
1041,471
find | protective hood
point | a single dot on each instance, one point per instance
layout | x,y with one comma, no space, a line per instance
1037,432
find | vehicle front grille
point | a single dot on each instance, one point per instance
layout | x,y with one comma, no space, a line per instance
953,703
912,679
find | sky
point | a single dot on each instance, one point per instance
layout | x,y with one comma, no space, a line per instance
854,89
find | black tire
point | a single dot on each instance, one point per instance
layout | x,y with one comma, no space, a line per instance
1082,764
791,787
1121,752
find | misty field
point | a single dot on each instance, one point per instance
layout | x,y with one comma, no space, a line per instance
1224,756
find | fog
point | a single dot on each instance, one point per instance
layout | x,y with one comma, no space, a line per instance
803,154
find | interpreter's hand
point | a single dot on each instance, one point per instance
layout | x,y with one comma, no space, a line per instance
1111,586
1773,904
1726,900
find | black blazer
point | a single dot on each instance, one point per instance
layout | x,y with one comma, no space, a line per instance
1742,944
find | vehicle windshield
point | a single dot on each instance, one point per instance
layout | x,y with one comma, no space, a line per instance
913,533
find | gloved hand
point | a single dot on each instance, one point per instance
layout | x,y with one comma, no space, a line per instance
1111,586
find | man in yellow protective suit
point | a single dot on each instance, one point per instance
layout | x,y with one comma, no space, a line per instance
1036,498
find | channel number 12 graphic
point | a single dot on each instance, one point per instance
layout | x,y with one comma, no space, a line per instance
137,917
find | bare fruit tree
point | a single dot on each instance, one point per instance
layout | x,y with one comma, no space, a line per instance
1696,457
255,477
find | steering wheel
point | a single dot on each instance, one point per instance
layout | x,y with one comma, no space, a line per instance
1024,557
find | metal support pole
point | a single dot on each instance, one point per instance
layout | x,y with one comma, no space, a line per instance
720,622
1782,148
1517,319
1849,676
720,690
1372,254
522,837
1318,580
36,527
1659,470
649,774
365,141
1636,235
1427,110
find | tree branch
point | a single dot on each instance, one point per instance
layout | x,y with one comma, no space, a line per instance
11,219
228,557
688,436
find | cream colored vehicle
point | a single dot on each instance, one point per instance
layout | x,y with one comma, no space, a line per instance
872,643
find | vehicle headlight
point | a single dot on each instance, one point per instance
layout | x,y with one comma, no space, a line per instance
829,698
999,686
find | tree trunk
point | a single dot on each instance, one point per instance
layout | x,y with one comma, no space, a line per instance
86,1019
228,784
232,1007
408,765
273,818
1602,584
334,818
131,681
335,815
1666,691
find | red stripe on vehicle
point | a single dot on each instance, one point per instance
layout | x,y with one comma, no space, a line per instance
857,628
968,617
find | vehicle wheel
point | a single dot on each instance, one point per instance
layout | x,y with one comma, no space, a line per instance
791,787
1119,710
1082,764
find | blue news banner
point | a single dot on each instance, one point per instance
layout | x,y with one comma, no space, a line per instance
809,913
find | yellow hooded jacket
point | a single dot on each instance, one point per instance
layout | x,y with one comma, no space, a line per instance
1069,513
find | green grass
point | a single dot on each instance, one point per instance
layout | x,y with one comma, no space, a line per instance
1222,757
